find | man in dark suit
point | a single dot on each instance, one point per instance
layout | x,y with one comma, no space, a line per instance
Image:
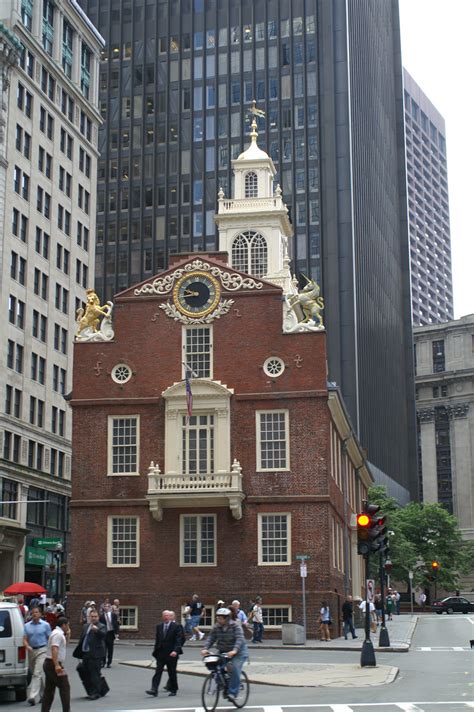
168,647
110,620
92,646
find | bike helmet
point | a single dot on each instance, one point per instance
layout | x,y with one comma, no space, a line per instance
222,612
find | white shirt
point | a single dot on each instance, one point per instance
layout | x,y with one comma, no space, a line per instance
362,606
257,614
58,638
108,620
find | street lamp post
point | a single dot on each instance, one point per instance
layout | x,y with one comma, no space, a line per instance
384,639
57,558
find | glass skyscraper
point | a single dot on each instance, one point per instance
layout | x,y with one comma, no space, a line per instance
176,81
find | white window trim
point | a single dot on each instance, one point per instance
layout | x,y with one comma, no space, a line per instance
187,328
260,557
181,540
209,398
279,605
130,627
110,565
110,472
258,440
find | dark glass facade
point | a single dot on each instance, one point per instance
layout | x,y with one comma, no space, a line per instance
176,82
175,87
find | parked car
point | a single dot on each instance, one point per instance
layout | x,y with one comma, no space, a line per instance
452,604
13,663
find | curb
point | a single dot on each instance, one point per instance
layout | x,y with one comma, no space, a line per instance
404,648
391,677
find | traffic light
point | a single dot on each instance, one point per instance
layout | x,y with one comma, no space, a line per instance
371,530
435,568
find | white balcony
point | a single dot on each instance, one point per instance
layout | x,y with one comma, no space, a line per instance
171,490
245,205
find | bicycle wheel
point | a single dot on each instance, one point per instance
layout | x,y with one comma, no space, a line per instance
210,692
240,700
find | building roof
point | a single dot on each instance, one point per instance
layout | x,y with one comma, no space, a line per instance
253,152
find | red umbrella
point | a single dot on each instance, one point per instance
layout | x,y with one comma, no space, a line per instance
24,587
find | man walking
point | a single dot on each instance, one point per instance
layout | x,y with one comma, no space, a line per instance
168,647
197,609
92,647
228,637
348,618
110,620
257,620
56,676
35,639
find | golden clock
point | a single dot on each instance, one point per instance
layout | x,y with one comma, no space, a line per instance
196,294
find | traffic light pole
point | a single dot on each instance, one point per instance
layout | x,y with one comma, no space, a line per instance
384,640
367,656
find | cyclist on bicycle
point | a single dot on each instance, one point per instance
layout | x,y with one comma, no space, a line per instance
228,638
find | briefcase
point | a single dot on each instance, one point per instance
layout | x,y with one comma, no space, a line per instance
103,687
82,674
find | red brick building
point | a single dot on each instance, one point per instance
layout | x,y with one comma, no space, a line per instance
267,467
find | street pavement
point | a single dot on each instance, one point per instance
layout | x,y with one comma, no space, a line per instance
437,674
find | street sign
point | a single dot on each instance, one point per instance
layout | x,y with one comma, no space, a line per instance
35,556
48,542
303,570
410,575
302,557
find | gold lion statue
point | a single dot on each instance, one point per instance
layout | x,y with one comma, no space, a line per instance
91,316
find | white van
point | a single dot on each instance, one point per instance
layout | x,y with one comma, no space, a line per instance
13,663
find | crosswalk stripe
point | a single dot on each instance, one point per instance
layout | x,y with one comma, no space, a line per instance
352,707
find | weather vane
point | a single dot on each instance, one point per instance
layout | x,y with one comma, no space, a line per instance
255,111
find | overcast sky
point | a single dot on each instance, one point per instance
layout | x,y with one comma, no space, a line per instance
437,47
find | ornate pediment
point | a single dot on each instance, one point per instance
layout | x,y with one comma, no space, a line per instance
230,280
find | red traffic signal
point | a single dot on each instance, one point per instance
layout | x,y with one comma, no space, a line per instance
435,565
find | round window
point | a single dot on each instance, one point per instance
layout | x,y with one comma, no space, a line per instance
121,373
274,366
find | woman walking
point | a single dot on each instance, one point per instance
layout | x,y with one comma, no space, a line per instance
325,621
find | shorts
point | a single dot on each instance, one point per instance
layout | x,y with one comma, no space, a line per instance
194,620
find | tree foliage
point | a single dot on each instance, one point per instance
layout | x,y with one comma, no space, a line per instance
419,534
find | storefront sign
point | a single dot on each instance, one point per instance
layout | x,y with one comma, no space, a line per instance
48,542
35,556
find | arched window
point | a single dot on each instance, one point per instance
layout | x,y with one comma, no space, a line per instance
240,249
250,254
251,185
258,256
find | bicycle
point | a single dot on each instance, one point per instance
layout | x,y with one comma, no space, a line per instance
218,679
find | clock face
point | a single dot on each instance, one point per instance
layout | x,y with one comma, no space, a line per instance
196,294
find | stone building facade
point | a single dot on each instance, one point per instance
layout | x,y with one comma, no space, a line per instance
222,498
46,259
445,400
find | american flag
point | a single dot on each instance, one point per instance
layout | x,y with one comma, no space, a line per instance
188,374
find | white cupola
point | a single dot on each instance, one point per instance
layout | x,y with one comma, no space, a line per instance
253,225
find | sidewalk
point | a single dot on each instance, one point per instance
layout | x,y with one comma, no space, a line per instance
400,631
290,674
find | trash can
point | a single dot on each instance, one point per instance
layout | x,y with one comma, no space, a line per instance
292,634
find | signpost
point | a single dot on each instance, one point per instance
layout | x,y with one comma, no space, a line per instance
303,558
410,576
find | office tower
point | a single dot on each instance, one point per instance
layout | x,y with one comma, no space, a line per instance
46,261
176,81
444,367
428,208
